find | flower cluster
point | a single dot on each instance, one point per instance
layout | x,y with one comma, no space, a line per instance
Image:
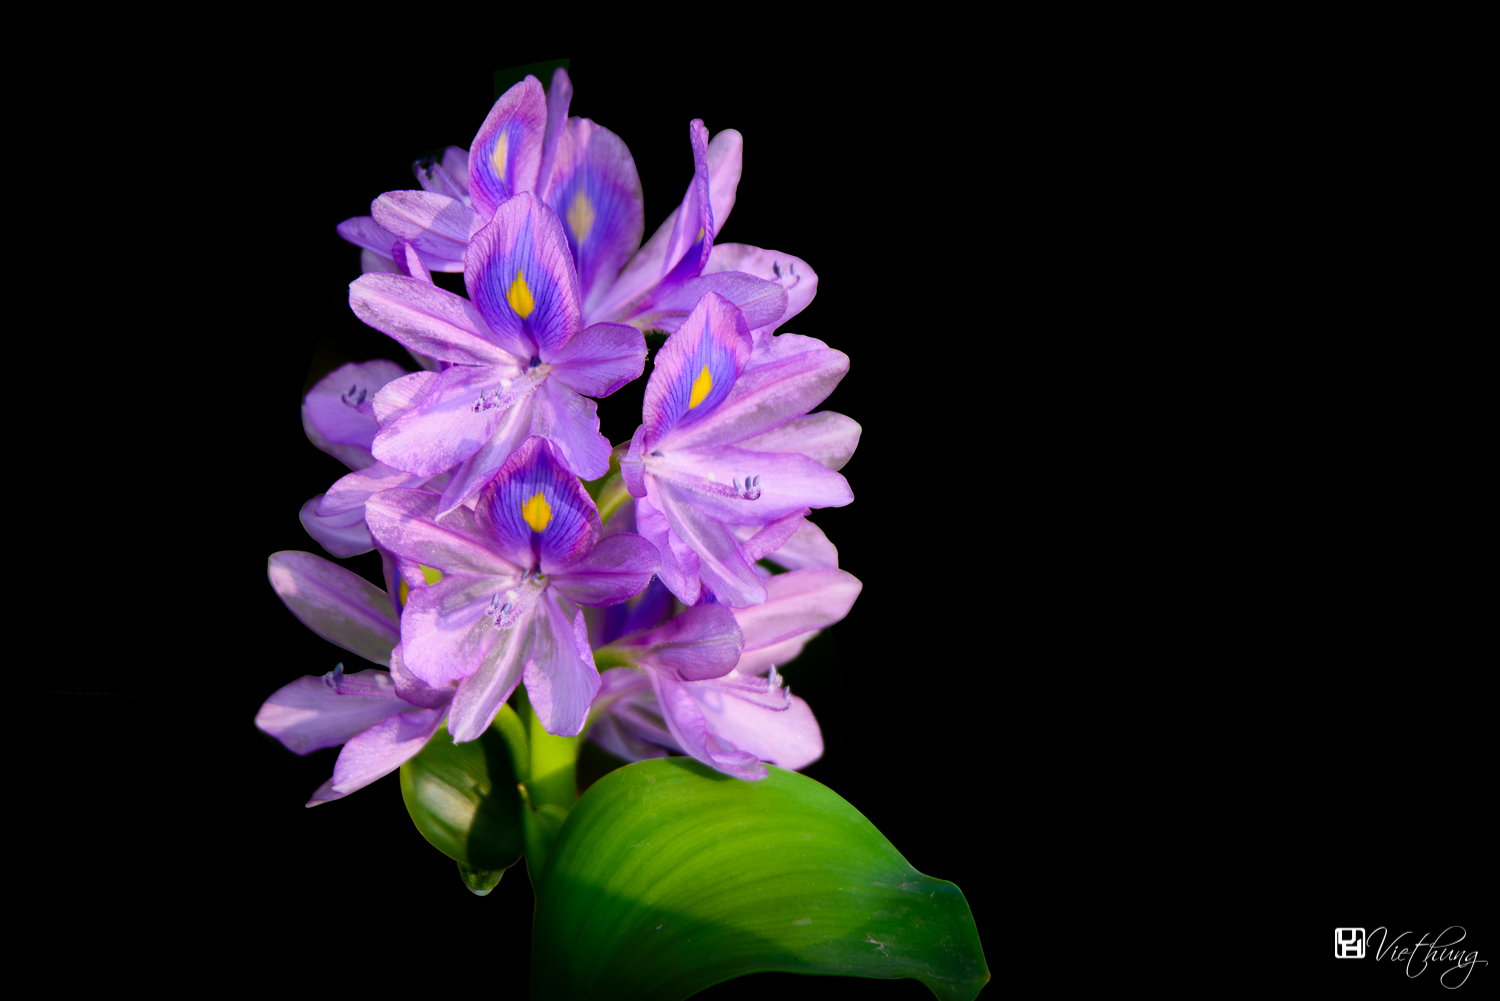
519,547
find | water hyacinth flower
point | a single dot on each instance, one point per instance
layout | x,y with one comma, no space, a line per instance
368,712
382,719
708,684
586,175
727,441
519,358
513,570
338,416
460,194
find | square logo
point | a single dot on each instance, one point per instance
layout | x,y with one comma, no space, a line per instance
1349,943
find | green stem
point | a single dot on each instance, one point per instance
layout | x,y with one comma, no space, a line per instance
551,775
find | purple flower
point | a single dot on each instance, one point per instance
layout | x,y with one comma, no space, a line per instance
512,571
519,358
726,441
368,712
708,684
666,277
586,175
381,719
460,194
338,417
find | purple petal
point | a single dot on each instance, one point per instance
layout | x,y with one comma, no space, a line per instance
571,423
561,678
507,151
721,563
797,602
761,302
448,633
340,606
792,273
480,696
725,163
364,231
703,642
450,177
521,278
679,564
406,522
431,321
685,718
695,370
616,569
596,192
772,537
739,487
408,262
632,463
786,377
825,436
438,226
675,249
538,513
651,609
692,238
628,721
559,96
312,713
734,712
463,407
351,492
601,359
807,549
378,751
478,469
330,415
416,691
342,533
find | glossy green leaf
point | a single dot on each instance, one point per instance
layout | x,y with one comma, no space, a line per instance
669,877
464,800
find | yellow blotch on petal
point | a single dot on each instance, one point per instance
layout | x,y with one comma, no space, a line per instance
581,216
430,575
536,512
701,387
519,296
497,155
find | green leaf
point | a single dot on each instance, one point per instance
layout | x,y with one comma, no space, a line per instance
669,877
464,800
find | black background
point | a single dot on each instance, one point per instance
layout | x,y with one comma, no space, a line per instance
1159,657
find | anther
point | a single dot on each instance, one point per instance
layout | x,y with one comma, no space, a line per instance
657,454
535,361
776,267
